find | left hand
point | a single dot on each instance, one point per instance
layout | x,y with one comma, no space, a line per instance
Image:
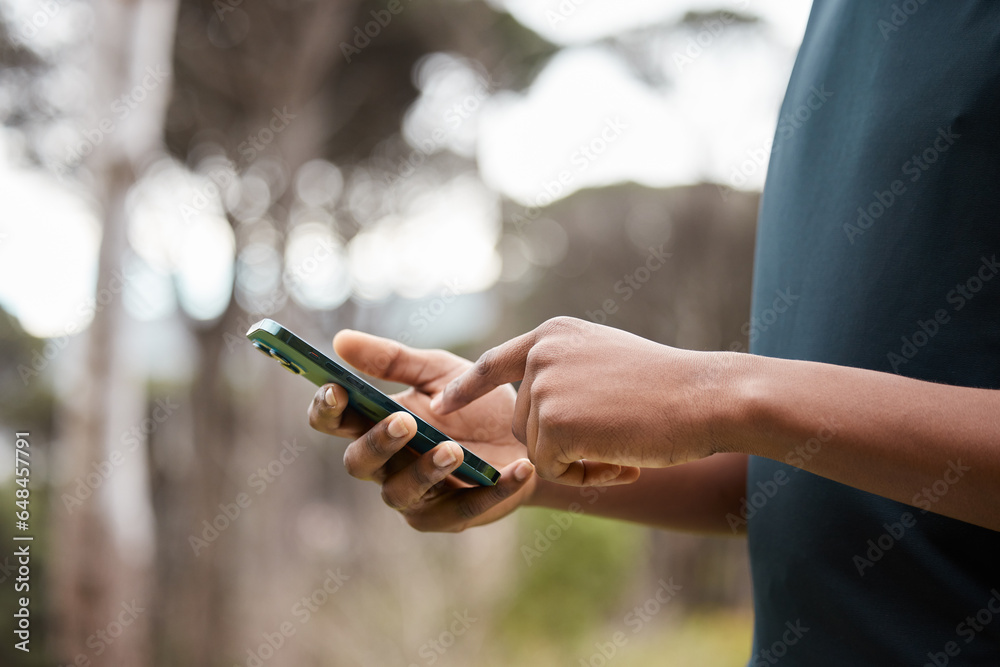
596,403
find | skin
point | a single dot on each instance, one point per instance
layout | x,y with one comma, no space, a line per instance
597,405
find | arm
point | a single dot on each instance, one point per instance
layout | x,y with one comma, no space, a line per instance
896,437
930,445
695,497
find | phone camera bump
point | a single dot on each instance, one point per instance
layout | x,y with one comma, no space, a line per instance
287,363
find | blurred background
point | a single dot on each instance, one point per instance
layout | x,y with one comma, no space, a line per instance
447,173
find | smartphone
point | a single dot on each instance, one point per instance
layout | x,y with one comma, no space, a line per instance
301,358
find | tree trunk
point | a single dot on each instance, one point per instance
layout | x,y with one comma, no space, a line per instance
104,546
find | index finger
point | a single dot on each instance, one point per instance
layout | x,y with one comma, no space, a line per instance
390,360
500,365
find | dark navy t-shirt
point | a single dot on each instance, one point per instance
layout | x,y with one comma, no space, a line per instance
878,248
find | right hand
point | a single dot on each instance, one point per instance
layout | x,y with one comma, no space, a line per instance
418,485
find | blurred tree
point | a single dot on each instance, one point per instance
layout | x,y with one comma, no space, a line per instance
237,67
101,563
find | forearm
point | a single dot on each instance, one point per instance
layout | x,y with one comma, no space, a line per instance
930,445
695,497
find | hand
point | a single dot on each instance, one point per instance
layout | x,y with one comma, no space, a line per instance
418,485
596,403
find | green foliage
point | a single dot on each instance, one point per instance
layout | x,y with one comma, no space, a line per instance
25,369
576,573
719,639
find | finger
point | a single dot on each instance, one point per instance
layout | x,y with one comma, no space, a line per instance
366,457
504,363
406,488
328,413
463,507
586,473
387,359
524,421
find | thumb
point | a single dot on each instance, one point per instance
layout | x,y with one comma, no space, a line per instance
384,358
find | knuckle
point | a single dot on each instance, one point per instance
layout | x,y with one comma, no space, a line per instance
349,464
519,431
500,492
475,504
487,362
546,471
557,324
421,476
568,331
541,354
541,384
467,509
373,443
557,423
392,498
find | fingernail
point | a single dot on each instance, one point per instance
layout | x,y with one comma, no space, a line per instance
522,471
330,398
436,402
397,428
444,456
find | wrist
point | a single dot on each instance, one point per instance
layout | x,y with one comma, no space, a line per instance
740,404
549,494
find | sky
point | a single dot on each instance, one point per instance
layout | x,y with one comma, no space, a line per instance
585,121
